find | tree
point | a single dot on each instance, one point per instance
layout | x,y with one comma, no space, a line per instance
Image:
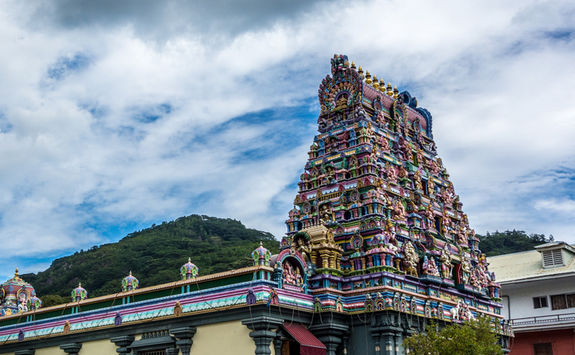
473,337
52,300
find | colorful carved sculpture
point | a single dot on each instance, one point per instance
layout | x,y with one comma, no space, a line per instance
79,293
130,283
374,179
189,270
16,295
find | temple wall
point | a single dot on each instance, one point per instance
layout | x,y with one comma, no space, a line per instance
55,350
104,346
223,338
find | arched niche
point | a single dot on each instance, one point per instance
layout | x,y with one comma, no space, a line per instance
293,267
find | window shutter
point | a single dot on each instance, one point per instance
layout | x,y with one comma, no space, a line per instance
547,259
557,257
552,258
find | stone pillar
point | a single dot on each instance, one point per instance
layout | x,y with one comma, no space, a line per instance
123,342
278,342
331,334
262,332
398,344
184,337
377,346
388,346
71,348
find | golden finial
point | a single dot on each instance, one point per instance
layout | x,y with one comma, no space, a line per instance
189,259
375,82
368,77
381,86
360,72
389,89
346,64
79,284
395,92
352,65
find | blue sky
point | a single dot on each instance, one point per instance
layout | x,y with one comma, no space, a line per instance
117,115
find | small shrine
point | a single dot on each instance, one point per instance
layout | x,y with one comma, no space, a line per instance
79,293
130,283
189,270
16,296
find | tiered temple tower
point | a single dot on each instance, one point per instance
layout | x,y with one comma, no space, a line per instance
376,207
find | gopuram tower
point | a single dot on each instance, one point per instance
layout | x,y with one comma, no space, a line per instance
377,219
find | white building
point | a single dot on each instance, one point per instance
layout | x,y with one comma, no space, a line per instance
538,296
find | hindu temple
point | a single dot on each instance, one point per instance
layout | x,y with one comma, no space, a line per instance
377,247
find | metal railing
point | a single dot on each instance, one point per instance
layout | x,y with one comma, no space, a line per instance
547,319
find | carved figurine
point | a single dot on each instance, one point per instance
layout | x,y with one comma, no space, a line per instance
465,269
411,259
446,265
429,267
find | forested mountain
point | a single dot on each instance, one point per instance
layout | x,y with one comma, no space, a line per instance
510,242
154,255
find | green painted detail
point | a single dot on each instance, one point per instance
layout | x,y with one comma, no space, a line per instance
156,294
10,321
104,304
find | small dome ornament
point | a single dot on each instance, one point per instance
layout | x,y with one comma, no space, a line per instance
16,295
129,283
189,270
261,256
79,293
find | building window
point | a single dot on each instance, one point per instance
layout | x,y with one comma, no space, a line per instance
558,302
561,301
552,258
543,349
540,302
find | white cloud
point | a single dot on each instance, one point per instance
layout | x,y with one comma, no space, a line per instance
497,77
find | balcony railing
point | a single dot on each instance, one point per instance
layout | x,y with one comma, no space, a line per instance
542,320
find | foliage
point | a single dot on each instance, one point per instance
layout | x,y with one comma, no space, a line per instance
154,255
473,337
510,242
52,300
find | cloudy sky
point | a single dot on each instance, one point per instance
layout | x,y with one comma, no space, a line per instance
118,114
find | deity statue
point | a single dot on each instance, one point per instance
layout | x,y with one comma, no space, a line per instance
411,259
391,173
430,186
420,159
385,144
429,267
465,269
302,246
417,181
445,260
461,237
430,216
326,214
403,172
399,210
390,243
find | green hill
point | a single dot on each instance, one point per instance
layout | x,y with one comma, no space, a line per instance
154,255
510,242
